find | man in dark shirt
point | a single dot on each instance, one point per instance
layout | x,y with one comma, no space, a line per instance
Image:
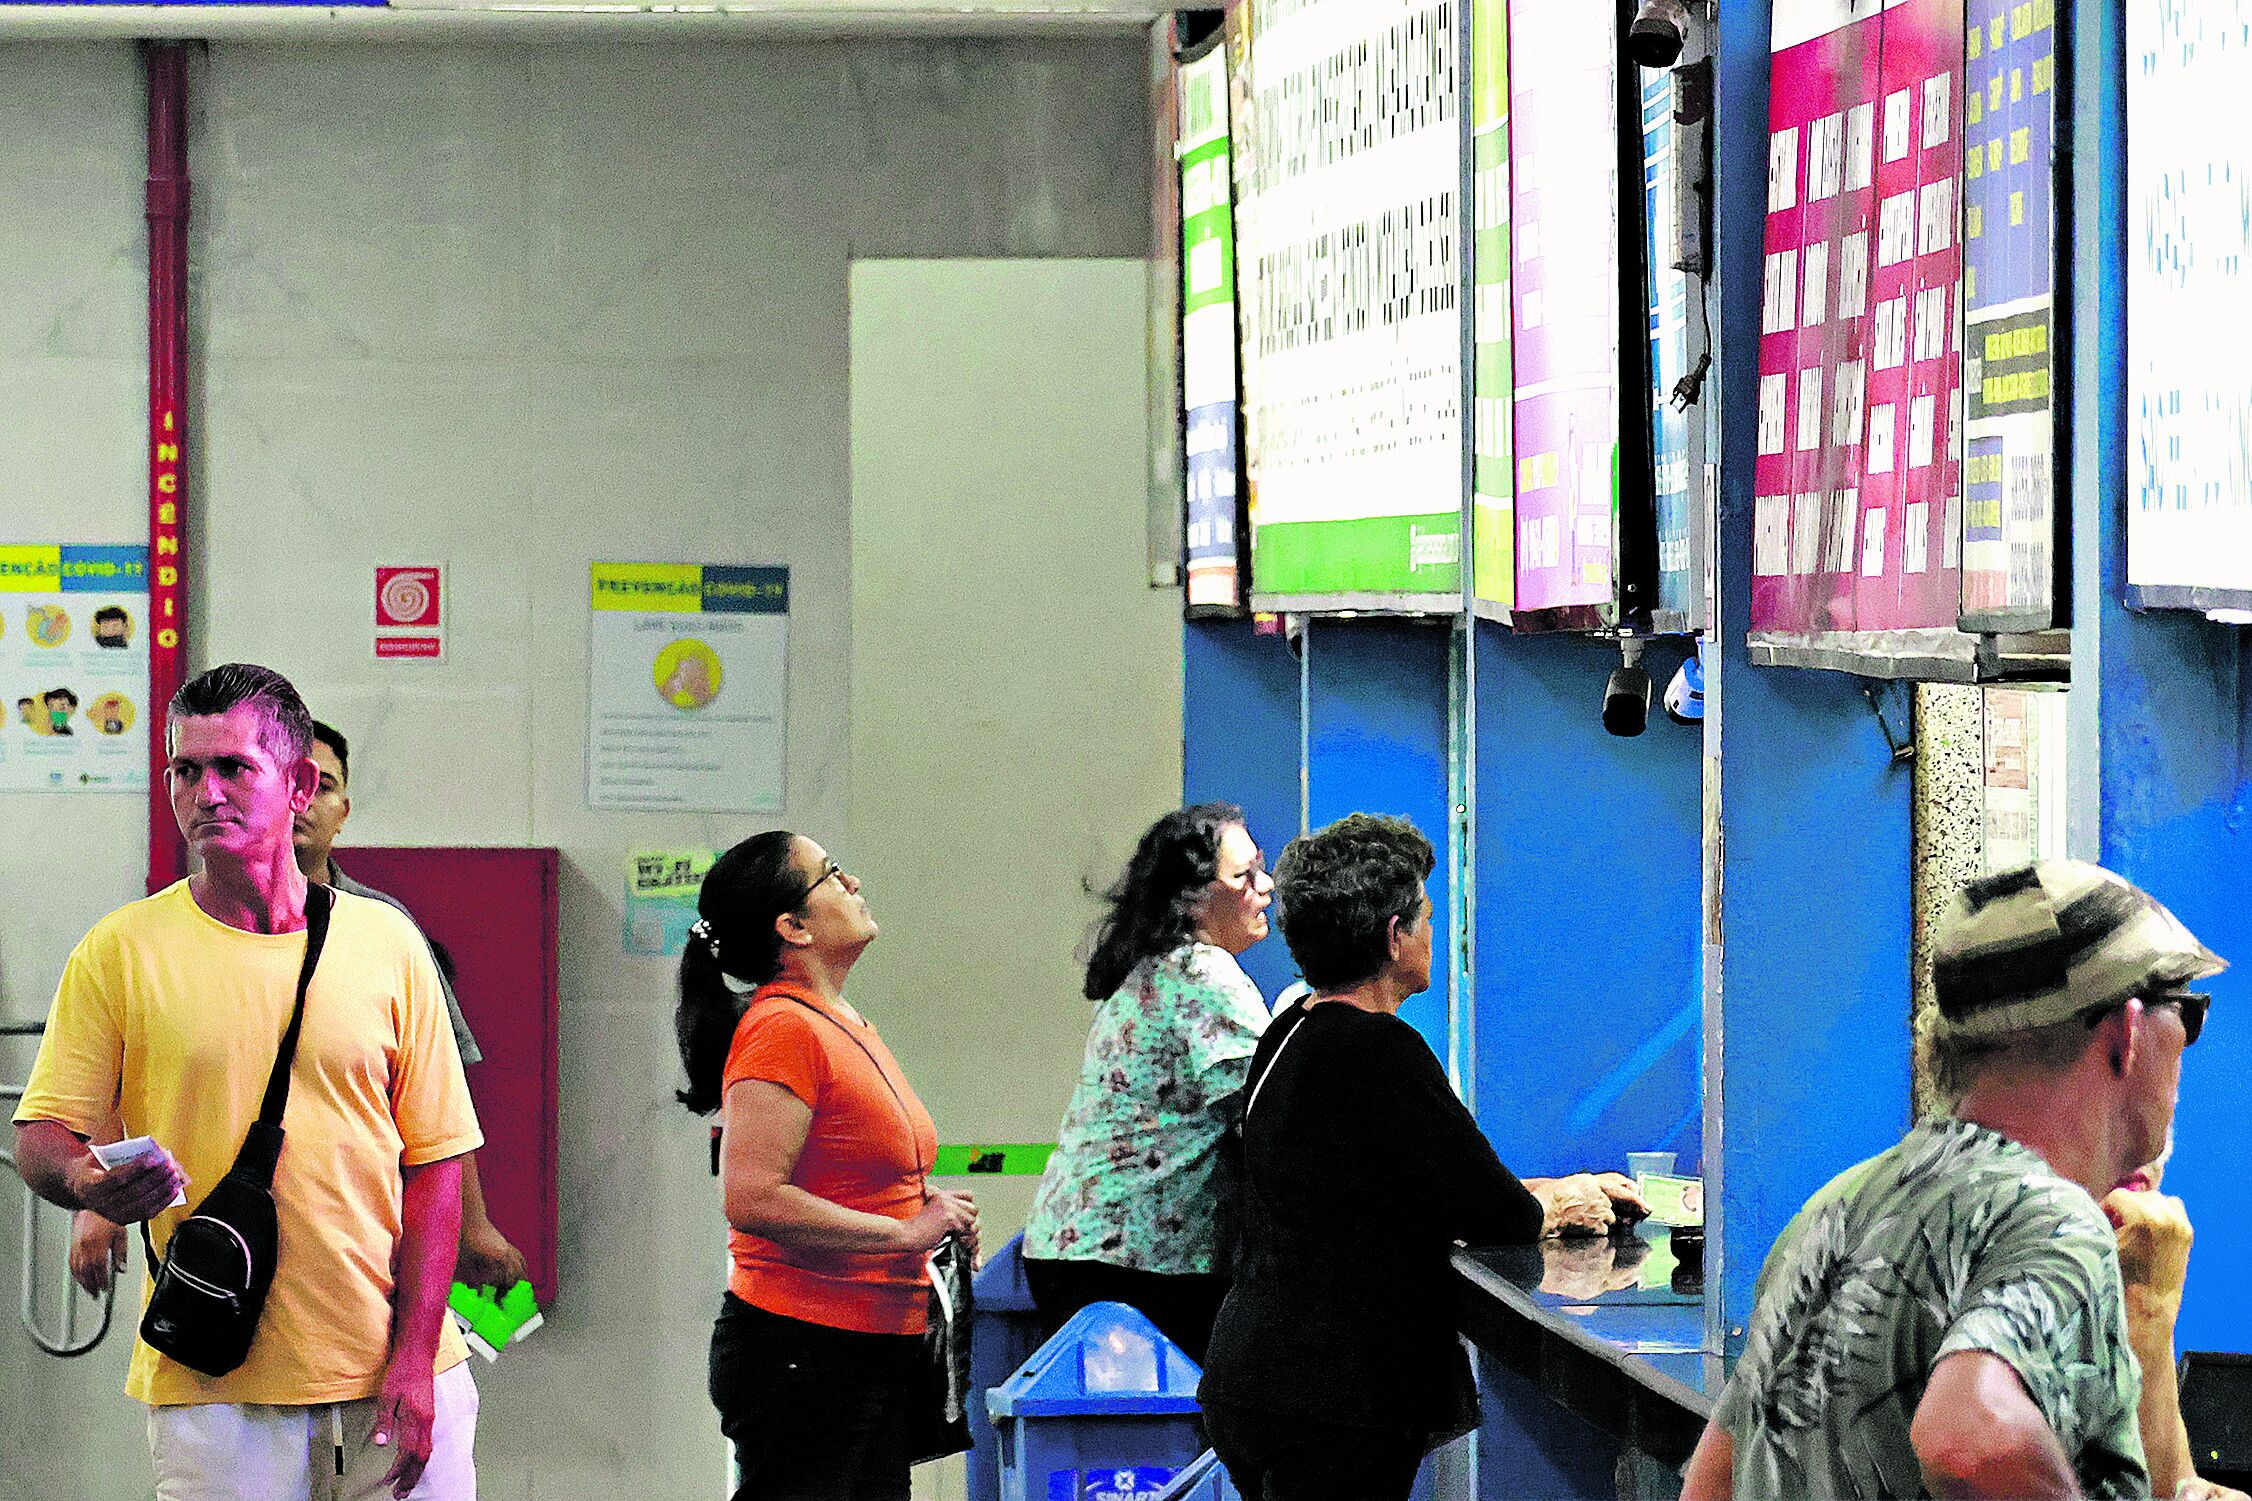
1335,1364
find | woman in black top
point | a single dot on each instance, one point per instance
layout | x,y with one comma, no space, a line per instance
1334,1364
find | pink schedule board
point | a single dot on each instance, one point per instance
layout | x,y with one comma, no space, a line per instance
1858,482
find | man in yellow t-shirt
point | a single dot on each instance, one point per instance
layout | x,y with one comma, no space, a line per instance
168,1019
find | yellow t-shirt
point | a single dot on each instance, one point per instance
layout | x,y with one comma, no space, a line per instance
172,1019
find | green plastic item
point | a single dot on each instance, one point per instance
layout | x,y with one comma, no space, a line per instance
491,1321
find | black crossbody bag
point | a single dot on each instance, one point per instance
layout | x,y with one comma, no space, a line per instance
211,1285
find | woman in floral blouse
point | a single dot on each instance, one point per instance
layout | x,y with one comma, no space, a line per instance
1135,1203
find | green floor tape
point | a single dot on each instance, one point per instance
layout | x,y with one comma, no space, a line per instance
1021,1159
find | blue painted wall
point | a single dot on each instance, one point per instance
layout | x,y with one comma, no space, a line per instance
1240,745
1813,915
1376,738
2177,820
2163,700
1589,993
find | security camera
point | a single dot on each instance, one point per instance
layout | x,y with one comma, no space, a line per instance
1626,697
1659,31
1685,695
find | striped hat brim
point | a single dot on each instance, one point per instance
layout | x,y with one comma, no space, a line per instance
2040,944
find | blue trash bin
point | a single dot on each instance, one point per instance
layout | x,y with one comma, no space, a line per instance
1004,1333
1105,1411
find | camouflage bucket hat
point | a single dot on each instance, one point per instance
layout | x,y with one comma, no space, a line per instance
2040,944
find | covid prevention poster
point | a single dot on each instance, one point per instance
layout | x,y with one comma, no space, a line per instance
1348,169
74,668
687,687
2189,366
1858,479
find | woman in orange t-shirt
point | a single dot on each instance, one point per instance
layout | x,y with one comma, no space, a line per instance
824,1173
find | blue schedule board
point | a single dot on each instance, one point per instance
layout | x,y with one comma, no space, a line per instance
1681,544
2009,118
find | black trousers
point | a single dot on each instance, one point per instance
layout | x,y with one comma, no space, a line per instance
1273,1457
814,1413
1181,1306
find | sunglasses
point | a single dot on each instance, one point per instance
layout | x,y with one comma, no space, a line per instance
2190,1004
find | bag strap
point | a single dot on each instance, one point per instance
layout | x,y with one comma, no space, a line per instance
319,901
906,1116
1260,1083
262,1143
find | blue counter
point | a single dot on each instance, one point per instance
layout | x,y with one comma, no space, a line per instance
1590,1385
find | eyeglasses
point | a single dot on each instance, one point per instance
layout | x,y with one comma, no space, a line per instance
2191,1005
834,872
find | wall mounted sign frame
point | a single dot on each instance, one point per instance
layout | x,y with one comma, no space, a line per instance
2189,370
2016,565
1348,179
1858,476
1211,409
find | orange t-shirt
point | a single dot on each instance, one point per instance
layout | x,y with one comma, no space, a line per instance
870,1147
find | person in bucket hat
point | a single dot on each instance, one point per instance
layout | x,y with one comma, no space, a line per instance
1947,1318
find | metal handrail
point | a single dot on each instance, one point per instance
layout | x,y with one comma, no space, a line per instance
64,1343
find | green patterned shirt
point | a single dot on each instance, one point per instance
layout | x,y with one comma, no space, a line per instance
1956,1239
1136,1179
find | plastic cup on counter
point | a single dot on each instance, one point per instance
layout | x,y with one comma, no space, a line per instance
1649,1164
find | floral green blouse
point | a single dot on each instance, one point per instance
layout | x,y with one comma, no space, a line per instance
1136,1179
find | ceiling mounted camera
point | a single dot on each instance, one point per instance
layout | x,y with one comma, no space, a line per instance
1659,31
1626,697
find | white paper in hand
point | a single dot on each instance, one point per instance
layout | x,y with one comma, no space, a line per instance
116,1154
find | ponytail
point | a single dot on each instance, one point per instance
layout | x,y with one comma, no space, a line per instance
745,891
704,1023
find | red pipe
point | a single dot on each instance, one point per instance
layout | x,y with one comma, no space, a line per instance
166,63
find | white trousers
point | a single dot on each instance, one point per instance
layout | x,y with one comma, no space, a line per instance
220,1451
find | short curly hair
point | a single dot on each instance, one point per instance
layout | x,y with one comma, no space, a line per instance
1338,890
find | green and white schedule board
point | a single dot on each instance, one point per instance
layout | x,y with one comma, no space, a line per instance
1348,168
1493,494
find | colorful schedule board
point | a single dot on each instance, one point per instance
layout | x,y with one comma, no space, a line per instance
1858,490
1493,488
1348,168
1564,235
2010,537
1210,414
2189,367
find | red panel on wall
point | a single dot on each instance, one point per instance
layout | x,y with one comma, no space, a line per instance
495,912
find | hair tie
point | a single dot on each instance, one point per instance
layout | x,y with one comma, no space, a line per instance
702,928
